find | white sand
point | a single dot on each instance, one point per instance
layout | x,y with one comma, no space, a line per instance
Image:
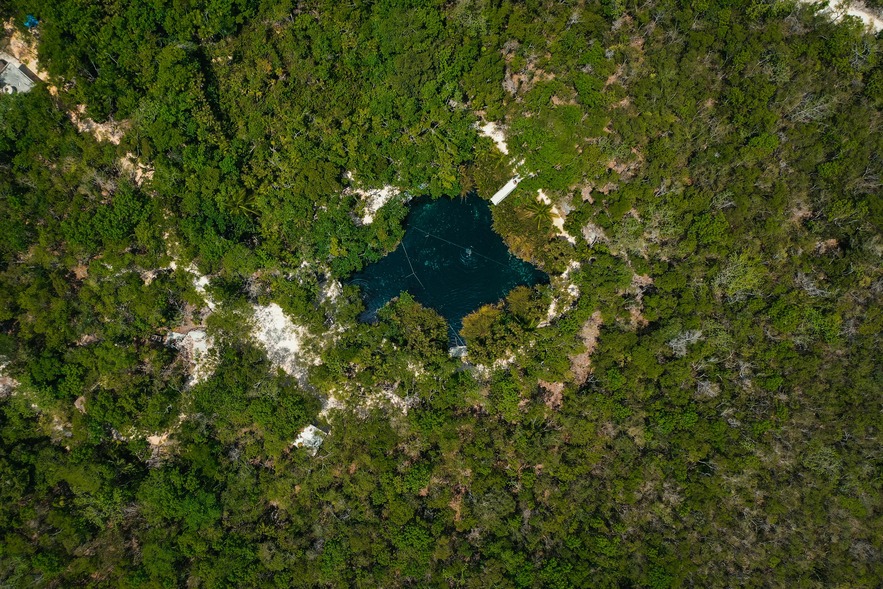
502,363
838,9
330,290
282,340
564,295
557,217
495,132
195,347
199,283
200,345
373,198
158,441
392,399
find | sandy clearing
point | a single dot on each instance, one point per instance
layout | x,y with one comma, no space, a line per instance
195,347
199,282
330,403
111,131
131,165
374,199
566,293
557,217
554,394
330,290
580,364
282,339
162,444
495,133
838,10
23,49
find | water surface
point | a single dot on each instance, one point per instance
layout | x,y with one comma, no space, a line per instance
450,259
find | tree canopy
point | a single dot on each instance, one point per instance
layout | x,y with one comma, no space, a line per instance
693,400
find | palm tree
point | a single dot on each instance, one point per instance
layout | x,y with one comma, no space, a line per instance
539,212
242,202
467,182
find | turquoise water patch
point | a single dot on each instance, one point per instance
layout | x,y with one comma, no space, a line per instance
450,260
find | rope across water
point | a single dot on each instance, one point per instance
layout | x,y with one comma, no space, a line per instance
467,249
413,272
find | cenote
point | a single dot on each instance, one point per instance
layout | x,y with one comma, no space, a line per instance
450,260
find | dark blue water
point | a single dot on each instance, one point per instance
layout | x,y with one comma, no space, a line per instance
450,260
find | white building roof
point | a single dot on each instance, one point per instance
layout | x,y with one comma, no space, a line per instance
506,190
311,437
14,77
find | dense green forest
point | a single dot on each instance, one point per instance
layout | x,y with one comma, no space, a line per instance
693,400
